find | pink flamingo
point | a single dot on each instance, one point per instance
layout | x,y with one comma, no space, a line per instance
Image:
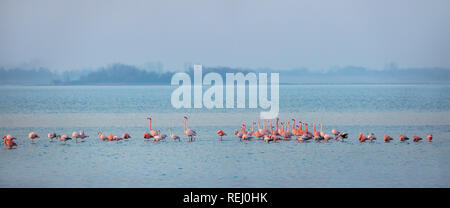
82,135
64,138
126,136
33,136
9,142
187,131
259,133
294,130
416,139
387,138
403,138
75,135
317,135
362,138
152,132
429,137
371,137
173,136
51,136
221,133
101,136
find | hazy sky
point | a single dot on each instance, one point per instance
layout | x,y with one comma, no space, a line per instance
62,34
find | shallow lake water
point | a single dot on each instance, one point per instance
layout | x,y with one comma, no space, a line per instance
208,162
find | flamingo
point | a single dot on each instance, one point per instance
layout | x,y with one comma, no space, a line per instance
300,129
306,135
147,135
238,134
51,136
173,136
317,135
82,135
247,136
101,136
371,137
429,137
278,130
387,138
64,138
325,137
9,142
152,132
362,138
403,138
187,131
33,136
126,135
343,135
75,135
110,137
221,133
416,139
294,130
159,136
259,133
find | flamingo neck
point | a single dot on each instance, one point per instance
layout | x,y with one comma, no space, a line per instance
293,124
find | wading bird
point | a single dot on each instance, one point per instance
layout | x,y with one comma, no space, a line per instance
173,136
187,131
430,137
152,132
126,135
403,138
101,136
33,136
221,133
387,138
64,138
52,136
416,138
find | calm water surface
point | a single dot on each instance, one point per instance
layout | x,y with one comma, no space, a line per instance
208,162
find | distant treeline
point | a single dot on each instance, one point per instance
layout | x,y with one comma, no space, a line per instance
121,74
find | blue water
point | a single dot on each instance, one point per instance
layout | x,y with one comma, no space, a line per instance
208,162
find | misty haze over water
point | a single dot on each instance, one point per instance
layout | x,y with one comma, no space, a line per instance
122,74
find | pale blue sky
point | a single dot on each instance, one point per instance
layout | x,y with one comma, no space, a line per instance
248,33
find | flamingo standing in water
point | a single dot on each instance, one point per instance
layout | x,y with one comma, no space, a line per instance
371,137
64,138
173,136
325,137
294,130
82,135
416,138
75,135
387,138
362,138
317,135
429,137
259,132
52,136
147,135
187,131
403,138
33,136
306,135
152,132
126,135
9,141
221,133
238,134
101,136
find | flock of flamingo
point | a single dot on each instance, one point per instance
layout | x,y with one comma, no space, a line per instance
280,133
